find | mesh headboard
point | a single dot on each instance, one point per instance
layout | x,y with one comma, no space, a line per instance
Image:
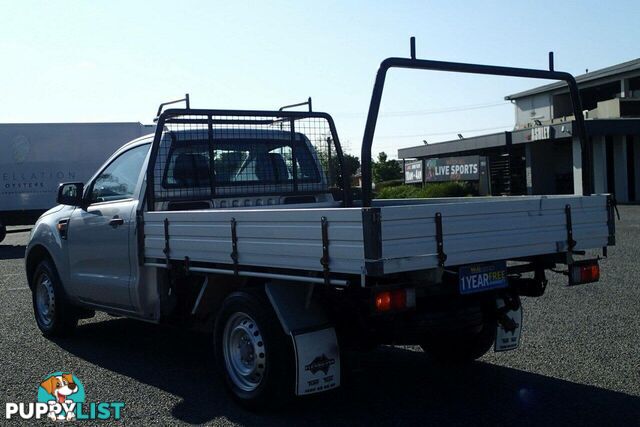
209,154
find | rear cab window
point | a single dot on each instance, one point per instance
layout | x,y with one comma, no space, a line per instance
239,163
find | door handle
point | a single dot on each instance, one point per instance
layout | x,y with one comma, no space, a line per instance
116,221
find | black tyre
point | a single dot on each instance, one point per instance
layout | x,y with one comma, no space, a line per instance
253,354
461,346
3,232
55,317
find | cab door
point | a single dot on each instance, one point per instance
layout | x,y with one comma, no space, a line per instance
102,236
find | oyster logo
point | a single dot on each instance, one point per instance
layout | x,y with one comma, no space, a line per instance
21,148
320,363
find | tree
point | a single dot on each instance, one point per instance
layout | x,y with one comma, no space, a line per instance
385,169
331,165
352,164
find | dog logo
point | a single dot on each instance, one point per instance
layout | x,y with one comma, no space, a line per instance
62,391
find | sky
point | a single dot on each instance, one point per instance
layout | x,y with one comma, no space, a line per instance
105,61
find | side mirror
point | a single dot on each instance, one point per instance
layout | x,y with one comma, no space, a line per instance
70,193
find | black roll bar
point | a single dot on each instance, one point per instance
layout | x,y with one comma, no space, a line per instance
457,67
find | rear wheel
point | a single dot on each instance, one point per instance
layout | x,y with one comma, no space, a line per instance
253,354
54,316
461,346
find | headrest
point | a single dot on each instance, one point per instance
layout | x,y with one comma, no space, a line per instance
279,166
271,167
191,170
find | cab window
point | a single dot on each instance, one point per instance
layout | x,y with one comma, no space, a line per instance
118,180
238,162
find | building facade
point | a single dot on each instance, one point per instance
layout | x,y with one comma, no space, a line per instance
542,156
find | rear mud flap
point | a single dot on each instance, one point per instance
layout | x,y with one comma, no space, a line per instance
315,343
317,360
508,332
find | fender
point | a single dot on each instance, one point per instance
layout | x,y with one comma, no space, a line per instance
45,235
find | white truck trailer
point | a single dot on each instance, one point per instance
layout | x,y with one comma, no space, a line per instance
36,157
243,223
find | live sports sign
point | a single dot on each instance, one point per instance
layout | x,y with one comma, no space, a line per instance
466,168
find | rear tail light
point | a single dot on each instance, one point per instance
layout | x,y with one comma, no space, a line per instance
383,301
394,300
585,271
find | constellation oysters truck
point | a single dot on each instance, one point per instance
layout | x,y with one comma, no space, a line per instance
242,222
36,157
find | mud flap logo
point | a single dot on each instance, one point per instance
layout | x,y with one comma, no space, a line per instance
320,363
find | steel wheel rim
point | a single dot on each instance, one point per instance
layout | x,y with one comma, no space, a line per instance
45,300
244,352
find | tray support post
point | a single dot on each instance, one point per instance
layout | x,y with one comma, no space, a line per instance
324,261
442,257
167,249
234,246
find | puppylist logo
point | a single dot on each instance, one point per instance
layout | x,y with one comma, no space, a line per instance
61,397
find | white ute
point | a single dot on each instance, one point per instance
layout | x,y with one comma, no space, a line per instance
243,222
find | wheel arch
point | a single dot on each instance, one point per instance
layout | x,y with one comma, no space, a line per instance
219,287
36,255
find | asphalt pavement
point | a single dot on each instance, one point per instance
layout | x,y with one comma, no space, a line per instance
578,363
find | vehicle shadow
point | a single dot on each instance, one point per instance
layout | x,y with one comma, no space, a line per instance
389,386
12,252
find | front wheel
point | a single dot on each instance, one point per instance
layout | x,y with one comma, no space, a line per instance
54,316
253,354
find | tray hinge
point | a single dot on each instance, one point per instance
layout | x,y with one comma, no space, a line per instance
442,257
234,246
325,249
